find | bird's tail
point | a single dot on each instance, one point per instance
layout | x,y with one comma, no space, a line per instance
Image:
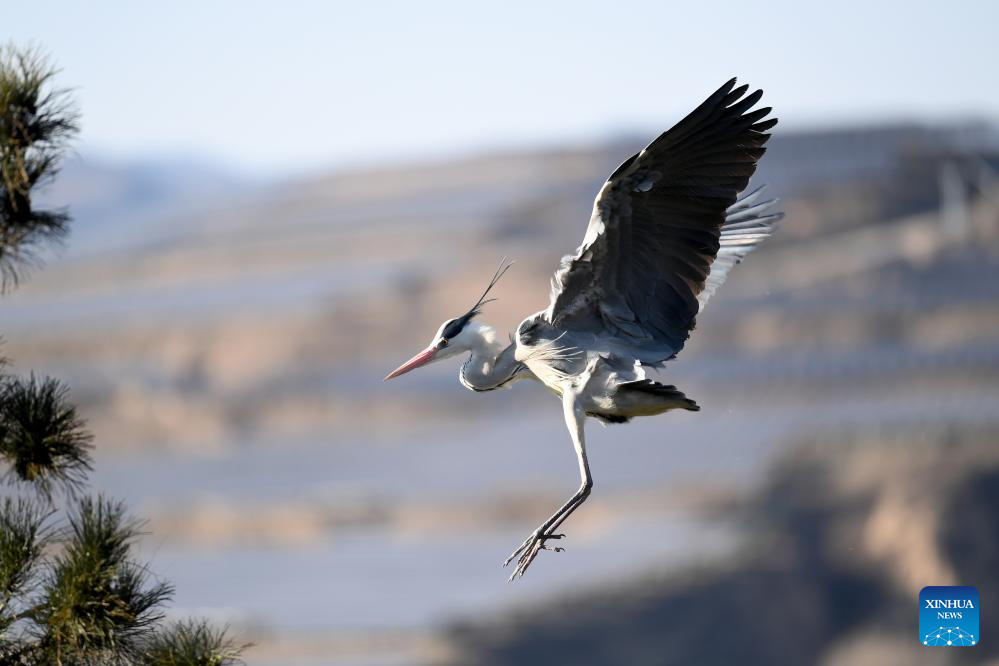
666,395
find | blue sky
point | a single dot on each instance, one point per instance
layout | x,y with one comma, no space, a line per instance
279,88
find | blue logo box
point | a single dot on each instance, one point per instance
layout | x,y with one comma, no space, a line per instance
948,616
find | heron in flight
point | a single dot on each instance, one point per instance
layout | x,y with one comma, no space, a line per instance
666,229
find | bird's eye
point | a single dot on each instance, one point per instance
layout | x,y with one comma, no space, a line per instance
443,342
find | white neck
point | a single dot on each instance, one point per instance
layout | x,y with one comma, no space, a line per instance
491,364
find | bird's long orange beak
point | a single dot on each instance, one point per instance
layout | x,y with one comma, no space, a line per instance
422,358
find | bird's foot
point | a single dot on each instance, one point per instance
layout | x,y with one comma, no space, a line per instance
528,550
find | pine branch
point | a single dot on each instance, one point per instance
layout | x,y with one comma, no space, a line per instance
23,537
42,438
98,605
192,643
37,121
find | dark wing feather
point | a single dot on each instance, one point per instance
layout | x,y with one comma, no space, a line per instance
656,228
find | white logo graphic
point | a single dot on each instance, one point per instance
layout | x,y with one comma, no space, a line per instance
949,636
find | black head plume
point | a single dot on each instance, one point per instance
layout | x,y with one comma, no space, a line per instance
456,325
503,268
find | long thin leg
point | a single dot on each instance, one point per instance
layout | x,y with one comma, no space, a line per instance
574,422
534,544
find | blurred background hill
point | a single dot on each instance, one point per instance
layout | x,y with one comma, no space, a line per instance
842,530
228,350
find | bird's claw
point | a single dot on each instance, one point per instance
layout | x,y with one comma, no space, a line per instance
535,536
529,549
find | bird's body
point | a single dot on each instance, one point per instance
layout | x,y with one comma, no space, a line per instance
666,229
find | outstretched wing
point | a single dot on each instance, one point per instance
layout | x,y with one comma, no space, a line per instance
748,222
657,227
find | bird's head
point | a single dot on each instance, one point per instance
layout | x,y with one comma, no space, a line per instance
454,336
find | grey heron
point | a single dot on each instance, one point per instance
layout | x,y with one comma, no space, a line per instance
667,227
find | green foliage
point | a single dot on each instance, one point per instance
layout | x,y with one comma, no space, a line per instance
191,643
36,123
41,436
23,537
78,596
99,603
71,595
